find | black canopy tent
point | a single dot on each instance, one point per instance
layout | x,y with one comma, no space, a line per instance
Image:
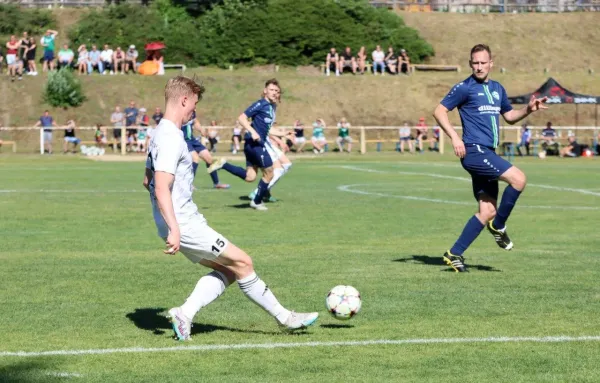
557,94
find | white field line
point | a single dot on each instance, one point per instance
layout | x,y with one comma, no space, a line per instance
435,175
257,346
86,191
351,189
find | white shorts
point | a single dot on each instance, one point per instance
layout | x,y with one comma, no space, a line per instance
273,151
319,139
199,241
300,140
11,59
347,139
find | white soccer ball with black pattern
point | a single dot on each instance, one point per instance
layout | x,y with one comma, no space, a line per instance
343,302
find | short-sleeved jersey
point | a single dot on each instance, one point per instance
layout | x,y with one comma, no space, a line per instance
343,130
263,115
168,152
318,131
480,105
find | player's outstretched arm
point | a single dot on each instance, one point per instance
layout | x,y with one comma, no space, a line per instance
441,116
163,182
515,115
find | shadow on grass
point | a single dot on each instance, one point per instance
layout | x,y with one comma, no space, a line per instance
154,319
336,326
438,261
31,371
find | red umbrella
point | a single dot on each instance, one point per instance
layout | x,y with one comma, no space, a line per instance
156,45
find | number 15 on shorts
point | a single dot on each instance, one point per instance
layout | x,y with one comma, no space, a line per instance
218,247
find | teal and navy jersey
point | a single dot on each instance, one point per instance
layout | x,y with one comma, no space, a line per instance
480,105
262,113
188,129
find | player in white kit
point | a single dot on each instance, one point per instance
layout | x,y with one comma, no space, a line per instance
169,180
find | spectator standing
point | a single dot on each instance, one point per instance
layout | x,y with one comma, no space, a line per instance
131,119
12,50
344,135
421,133
378,60
117,119
331,62
46,122
47,42
24,42
29,60
106,57
405,136
525,139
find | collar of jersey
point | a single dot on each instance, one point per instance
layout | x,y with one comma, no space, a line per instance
168,124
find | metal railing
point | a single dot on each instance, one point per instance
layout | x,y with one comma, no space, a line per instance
486,6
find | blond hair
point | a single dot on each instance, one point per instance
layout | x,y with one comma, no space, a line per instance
183,86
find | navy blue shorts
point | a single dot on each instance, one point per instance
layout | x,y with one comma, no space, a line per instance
484,166
195,145
257,155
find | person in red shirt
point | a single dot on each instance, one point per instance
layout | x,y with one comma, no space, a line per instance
14,64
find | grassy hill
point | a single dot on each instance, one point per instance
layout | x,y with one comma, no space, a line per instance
520,42
524,44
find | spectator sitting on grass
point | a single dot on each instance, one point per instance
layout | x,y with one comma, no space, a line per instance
119,60
298,138
573,149
318,138
65,57
94,60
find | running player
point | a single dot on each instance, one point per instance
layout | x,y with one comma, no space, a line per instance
168,178
199,151
262,113
281,164
480,103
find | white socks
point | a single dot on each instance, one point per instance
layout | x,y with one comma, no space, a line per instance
259,293
208,288
277,174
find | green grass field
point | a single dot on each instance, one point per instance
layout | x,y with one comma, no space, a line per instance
82,269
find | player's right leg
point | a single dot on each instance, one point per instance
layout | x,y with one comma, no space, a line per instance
517,181
263,184
256,289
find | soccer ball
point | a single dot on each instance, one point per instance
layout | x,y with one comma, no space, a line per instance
343,302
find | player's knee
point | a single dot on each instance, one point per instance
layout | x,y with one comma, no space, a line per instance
520,181
487,212
250,177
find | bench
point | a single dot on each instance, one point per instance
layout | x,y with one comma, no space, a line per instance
13,143
368,67
435,67
176,66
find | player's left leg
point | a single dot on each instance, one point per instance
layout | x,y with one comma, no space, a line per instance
207,158
517,181
263,184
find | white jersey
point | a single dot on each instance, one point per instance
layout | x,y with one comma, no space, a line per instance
168,153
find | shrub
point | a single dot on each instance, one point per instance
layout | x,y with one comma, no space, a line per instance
63,89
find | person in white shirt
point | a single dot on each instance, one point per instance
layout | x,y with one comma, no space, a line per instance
169,179
378,57
106,56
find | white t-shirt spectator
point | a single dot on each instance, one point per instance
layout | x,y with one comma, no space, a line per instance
106,55
378,56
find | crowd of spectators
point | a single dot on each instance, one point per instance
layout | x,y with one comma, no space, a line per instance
381,62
